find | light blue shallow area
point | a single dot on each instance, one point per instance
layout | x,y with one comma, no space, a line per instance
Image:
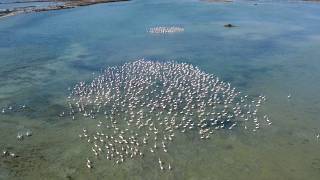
273,50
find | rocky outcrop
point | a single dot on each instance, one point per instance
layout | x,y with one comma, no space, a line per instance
229,25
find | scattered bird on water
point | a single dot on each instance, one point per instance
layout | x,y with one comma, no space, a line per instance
13,108
20,136
6,153
139,108
28,133
13,155
89,164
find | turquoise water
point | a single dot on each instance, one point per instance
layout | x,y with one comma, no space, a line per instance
274,50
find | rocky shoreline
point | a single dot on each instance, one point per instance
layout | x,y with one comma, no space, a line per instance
60,4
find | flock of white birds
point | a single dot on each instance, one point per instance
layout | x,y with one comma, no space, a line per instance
165,30
141,106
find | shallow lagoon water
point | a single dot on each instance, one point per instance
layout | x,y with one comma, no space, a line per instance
274,51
